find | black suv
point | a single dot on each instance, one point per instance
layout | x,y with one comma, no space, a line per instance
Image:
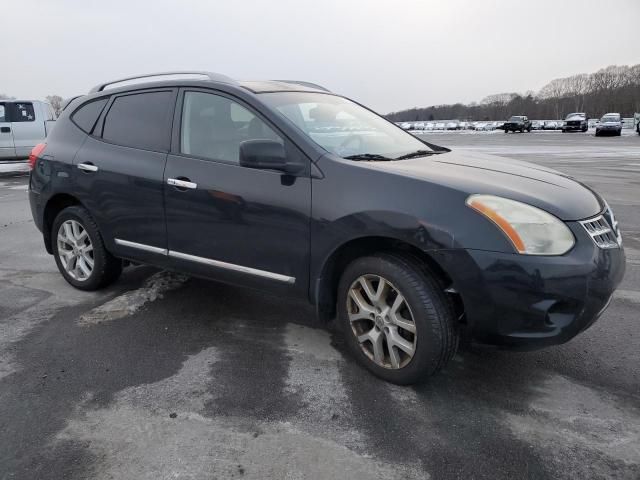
517,123
576,122
286,187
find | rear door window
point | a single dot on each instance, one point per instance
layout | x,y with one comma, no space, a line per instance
3,113
23,112
87,115
140,120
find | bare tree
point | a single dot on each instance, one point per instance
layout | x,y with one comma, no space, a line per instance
56,102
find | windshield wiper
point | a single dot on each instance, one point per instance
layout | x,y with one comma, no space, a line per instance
367,156
417,153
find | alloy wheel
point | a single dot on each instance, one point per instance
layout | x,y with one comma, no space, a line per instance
75,250
381,321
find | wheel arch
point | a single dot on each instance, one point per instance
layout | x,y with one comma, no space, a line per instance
326,284
54,206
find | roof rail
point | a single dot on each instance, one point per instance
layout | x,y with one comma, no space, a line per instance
214,77
305,84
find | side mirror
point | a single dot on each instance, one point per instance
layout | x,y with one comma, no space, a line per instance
266,155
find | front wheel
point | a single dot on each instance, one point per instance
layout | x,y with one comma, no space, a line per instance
79,251
396,319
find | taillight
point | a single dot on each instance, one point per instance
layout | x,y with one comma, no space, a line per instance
35,153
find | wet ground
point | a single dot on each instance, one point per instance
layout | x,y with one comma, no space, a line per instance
161,376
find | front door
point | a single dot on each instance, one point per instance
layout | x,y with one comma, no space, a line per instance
7,149
228,222
119,173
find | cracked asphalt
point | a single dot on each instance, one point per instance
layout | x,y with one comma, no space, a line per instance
165,377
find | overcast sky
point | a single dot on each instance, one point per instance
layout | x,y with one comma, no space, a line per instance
389,55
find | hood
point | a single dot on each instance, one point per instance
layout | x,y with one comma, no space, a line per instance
471,173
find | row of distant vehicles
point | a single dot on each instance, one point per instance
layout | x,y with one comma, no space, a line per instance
611,123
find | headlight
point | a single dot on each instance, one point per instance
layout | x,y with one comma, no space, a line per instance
531,231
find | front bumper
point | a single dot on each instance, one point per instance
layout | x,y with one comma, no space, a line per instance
576,128
529,302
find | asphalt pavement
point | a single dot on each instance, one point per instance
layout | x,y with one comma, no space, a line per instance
165,377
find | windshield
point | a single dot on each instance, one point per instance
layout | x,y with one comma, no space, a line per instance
343,127
516,119
575,116
610,118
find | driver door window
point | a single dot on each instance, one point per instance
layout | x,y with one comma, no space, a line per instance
213,127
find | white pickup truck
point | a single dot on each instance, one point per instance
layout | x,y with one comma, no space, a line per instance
23,124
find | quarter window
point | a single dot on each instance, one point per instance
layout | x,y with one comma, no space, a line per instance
214,127
87,115
140,120
23,112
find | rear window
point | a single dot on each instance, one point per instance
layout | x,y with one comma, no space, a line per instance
140,121
23,112
87,115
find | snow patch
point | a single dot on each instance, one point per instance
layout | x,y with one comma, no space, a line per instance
566,414
160,430
130,302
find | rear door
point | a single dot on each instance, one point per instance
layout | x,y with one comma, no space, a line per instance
7,149
119,172
28,130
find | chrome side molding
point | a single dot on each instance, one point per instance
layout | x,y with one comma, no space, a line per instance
236,268
208,261
141,246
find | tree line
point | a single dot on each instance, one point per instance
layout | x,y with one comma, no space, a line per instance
611,89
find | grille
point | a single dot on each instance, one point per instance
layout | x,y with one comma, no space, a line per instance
601,231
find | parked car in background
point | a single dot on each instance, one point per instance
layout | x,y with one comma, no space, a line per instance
611,123
550,125
484,126
517,123
453,125
440,126
498,125
575,122
428,126
536,125
187,174
23,124
406,126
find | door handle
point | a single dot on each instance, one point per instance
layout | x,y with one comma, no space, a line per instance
182,183
5,129
88,167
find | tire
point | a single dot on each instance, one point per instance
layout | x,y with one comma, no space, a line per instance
105,269
597,134
619,133
436,336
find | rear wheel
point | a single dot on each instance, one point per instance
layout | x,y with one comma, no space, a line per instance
396,319
79,251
